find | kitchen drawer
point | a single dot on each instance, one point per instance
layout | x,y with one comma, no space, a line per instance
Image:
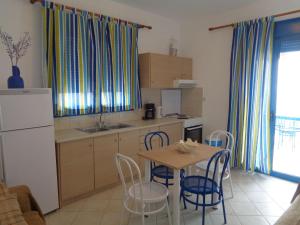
129,143
174,131
154,139
145,131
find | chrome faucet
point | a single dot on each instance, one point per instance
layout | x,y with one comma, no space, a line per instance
100,122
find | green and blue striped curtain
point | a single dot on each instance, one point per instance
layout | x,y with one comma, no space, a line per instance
91,63
250,84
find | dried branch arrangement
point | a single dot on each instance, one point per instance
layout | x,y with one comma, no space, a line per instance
17,50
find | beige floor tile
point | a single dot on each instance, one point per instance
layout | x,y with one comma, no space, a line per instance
164,221
94,204
282,197
241,176
117,193
283,204
115,206
250,187
162,218
269,209
111,218
258,200
259,197
252,220
104,195
271,219
245,209
195,218
226,187
219,220
219,210
239,197
73,207
61,218
137,220
87,218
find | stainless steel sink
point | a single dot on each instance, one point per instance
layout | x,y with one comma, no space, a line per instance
118,126
104,127
92,129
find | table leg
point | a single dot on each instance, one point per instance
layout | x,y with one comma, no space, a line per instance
147,171
176,198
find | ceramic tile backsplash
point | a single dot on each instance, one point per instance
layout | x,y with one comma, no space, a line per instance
151,95
148,95
191,103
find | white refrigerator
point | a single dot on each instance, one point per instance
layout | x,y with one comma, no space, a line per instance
27,146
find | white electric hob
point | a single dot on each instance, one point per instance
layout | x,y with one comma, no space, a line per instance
188,121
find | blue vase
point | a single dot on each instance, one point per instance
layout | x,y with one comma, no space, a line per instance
15,81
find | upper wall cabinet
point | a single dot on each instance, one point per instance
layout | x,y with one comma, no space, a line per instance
159,71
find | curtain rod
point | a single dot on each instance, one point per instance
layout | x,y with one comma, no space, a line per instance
276,15
96,14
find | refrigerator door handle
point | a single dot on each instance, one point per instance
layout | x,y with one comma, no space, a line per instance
2,170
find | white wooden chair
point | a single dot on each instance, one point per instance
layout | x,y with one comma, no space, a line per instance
227,143
140,198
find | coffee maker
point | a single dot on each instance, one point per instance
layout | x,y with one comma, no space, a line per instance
149,111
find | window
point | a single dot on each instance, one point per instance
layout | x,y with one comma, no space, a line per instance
91,63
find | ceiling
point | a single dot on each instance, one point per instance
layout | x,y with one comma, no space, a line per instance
186,9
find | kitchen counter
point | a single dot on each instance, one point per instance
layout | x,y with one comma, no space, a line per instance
67,135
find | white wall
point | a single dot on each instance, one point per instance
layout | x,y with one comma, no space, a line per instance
18,16
211,55
210,50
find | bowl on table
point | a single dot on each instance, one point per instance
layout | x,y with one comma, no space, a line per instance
186,146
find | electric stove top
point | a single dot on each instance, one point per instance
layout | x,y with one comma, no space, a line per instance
188,121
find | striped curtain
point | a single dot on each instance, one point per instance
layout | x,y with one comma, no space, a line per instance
250,84
91,63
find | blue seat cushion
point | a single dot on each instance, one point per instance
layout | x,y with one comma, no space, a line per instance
162,172
195,185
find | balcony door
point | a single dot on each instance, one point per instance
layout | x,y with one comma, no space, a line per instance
285,109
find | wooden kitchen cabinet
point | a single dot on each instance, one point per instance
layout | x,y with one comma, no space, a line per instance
105,149
76,168
174,131
88,165
187,68
159,71
129,145
155,144
143,133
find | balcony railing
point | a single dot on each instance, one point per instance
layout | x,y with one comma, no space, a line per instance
287,145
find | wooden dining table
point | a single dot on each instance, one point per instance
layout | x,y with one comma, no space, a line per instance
169,156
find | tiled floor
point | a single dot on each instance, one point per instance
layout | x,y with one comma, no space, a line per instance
258,200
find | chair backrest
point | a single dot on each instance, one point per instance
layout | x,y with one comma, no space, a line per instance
226,137
214,164
161,136
130,176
